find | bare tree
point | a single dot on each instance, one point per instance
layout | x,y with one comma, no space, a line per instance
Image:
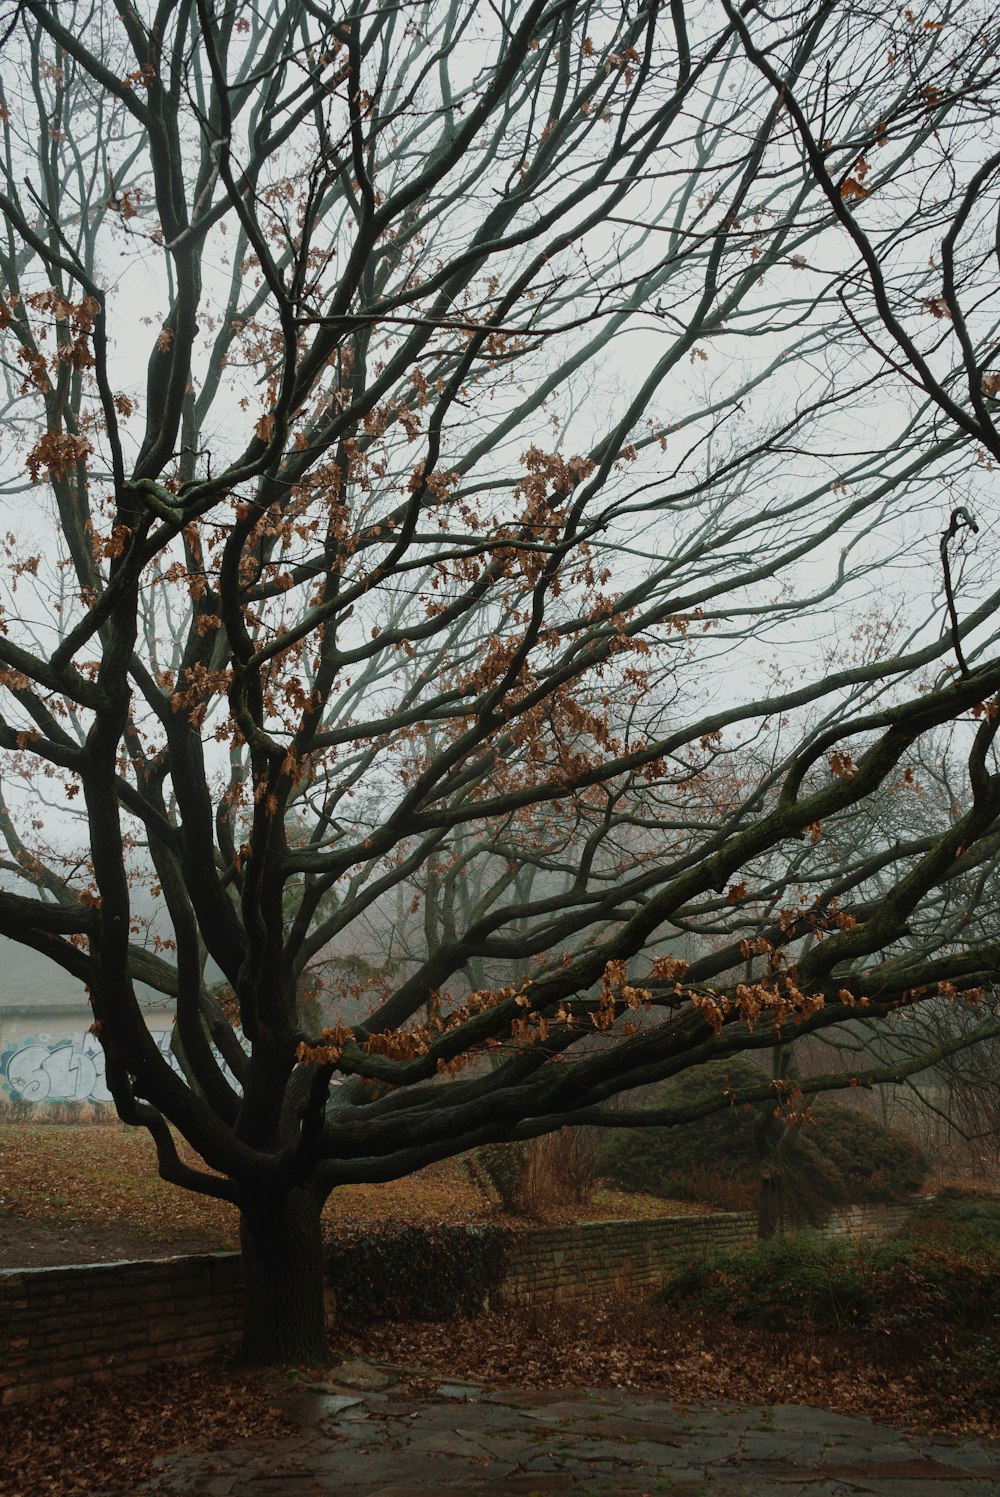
550,415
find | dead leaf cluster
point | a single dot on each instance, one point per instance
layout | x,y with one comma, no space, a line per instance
107,1438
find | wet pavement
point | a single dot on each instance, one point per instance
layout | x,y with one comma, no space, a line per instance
362,1431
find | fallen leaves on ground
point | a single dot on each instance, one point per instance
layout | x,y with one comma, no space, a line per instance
102,1181
103,1176
626,1344
100,1184
106,1438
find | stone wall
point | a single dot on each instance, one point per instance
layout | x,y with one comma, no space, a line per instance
866,1221
64,1326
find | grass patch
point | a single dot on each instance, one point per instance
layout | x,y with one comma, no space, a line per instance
962,1220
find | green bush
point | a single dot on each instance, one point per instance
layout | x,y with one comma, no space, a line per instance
875,1163
789,1282
418,1273
961,1221
505,1167
841,1156
938,1277
651,1159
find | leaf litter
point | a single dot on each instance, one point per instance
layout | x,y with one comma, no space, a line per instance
625,1342
76,1184
78,1194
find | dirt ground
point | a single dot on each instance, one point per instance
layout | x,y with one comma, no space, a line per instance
40,1244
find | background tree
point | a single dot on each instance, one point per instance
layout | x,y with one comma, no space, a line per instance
453,437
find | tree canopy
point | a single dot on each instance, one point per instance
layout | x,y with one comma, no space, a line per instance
500,537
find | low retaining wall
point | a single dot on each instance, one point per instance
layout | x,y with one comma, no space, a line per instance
63,1326
866,1221
578,1261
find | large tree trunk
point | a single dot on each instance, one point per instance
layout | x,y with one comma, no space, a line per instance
283,1278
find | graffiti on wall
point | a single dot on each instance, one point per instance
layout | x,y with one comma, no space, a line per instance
69,1069
40,1068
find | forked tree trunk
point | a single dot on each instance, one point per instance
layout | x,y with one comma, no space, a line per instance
283,1280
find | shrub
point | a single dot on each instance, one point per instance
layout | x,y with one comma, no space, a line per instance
716,1184
421,1273
792,1282
841,1156
566,1164
875,1163
63,1112
906,1284
504,1167
653,1159
961,1221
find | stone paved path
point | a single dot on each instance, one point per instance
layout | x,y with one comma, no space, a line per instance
362,1433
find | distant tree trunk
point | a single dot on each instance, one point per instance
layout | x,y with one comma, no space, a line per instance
283,1275
773,1139
770,1204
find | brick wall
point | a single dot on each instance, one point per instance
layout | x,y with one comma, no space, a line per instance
575,1261
64,1326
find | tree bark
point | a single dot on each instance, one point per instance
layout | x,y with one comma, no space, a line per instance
770,1205
283,1278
